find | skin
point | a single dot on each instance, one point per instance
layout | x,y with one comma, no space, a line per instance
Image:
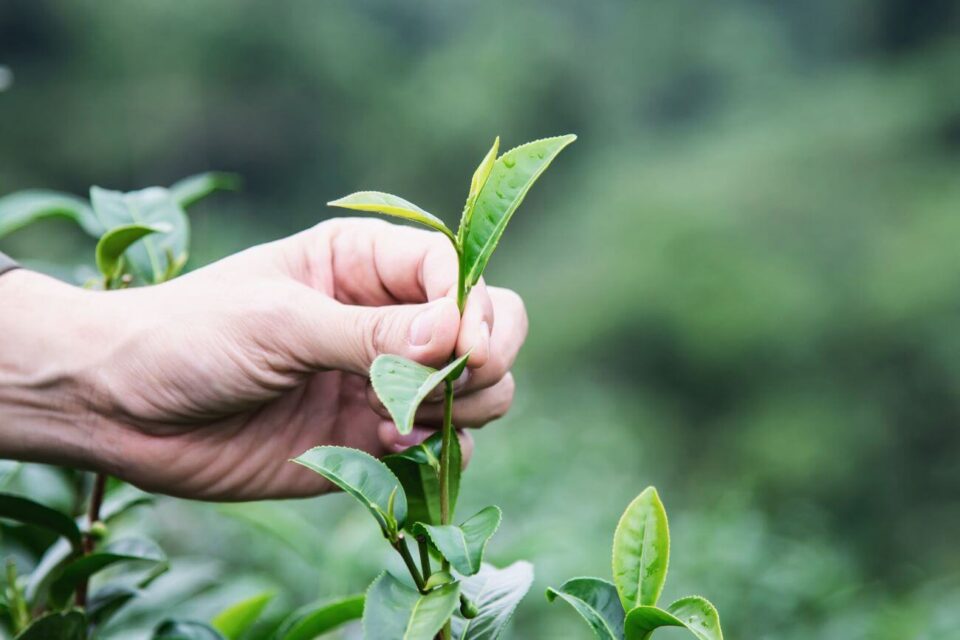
205,386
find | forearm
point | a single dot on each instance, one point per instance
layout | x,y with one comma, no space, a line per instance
48,344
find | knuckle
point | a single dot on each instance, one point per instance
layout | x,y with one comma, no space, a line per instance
375,335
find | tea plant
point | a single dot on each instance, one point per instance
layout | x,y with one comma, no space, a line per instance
143,238
413,494
627,608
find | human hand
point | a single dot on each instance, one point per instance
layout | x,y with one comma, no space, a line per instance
205,386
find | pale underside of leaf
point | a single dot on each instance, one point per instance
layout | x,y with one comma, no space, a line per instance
496,593
394,611
694,613
641,551
597,603
402,384
510,180
362,476
464,545
391,205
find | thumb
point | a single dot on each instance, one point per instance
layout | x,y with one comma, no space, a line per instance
349,337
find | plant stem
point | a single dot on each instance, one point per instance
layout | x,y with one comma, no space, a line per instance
448,432
93,515
424,557
401,546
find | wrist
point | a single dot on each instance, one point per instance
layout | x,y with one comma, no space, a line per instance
49,341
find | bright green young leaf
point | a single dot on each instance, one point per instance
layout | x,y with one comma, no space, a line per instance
476,184
394,611
154,257
185,630
20,209
510,179
73,573
106,602
496,593
597,602
362,476
417,468
391,205
233,621
20,509
116,241
68,625
463,546
192,189
402,385
693,612
314,620
641,551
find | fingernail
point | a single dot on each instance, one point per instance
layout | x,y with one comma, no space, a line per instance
421,330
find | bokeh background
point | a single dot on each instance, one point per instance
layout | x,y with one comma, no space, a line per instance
743,280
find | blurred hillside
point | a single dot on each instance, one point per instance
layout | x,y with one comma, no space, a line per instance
743,280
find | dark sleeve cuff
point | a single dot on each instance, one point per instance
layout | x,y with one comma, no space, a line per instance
6,264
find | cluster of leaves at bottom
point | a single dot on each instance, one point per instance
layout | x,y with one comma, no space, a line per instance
142,238
627,608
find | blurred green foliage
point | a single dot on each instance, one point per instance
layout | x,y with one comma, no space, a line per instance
744,281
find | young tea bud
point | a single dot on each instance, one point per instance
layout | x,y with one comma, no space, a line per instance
98,530
467,608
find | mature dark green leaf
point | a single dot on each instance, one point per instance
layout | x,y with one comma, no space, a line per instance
463,546
67,625
510,179
362,476
641,551
417,469
476,184
233,621
57,556
597,602
192,189
403,384
693,612
185,630
394,611
125,550
116,241
20,509
106,602
20,209
496,593
316,619
391,205
155,257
